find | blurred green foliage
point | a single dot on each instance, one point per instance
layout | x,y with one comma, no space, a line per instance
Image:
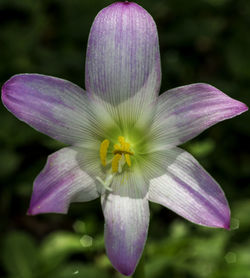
200,41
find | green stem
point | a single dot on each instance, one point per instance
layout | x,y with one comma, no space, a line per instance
140,270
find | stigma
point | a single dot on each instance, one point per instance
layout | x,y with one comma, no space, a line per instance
121,152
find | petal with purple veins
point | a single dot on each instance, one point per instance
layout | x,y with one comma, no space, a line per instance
123,59
126,215
184,112
53,106
179,183
68,176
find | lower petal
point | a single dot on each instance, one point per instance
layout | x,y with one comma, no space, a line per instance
64,179
183,186
126,215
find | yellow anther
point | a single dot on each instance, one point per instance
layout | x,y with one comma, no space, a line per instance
121,153
121,139
126,147
117,147
115,162
127,157
103,151
122,149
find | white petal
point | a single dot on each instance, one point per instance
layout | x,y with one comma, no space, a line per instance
56,107
123,59
69,176
126,215
182,185
184,112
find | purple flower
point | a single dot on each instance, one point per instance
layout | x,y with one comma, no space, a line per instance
123,136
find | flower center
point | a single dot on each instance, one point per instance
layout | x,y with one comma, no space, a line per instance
121,156
121,153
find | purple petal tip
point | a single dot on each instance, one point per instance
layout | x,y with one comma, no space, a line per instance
30,212
124,4
33,210
243,107
4,95
7,96
124,269
227,225
226,222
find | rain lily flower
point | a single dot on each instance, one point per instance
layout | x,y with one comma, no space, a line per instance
123,137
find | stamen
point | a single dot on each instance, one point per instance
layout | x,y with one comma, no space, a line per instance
127,157
103,151
121,153
121,140
115,162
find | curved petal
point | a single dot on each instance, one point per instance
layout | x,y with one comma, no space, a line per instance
184,112
126,215
123,57
186,188
67,177
53,106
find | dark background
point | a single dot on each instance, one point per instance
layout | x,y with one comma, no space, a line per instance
200,41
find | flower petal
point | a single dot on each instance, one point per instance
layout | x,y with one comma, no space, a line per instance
179,183
53,106
184,112
63,181
123,57
126,215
